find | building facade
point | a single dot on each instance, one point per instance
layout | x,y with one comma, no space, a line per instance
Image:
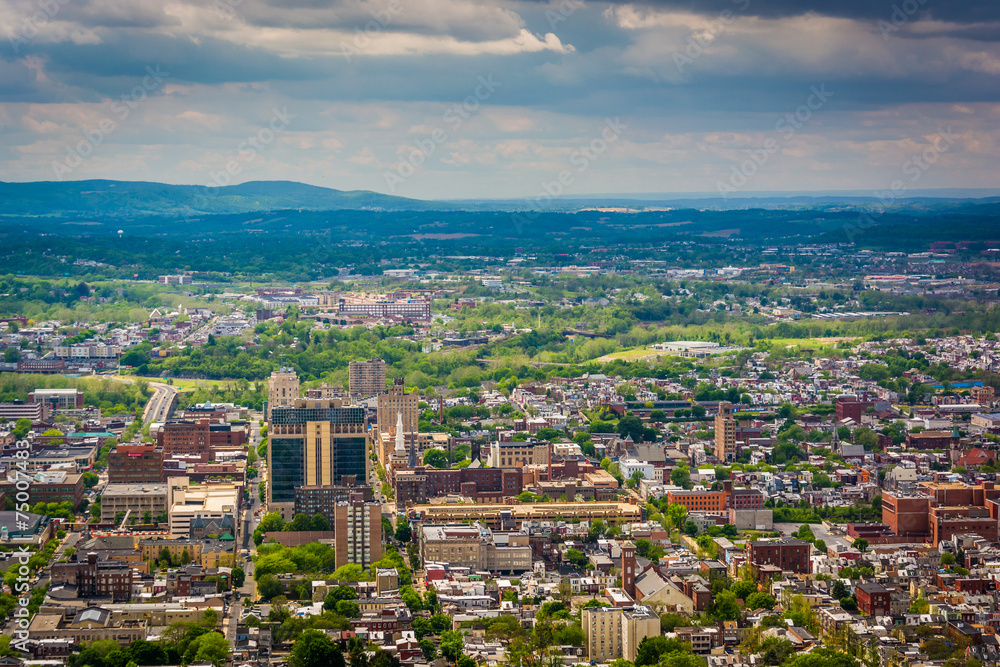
135,464
392,404
725,434
367,378
615,632
314,443
282,389
135,498
789,555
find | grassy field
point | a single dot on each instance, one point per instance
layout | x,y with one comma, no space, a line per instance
636,354
185,384
811,343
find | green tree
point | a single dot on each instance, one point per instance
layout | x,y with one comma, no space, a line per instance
652,648
725,607
575,557
314,649
269,586
760,600
428,648
210,646
743,589
451,644
239,577
403,532
319,523
436,458
631,425
300,522
676,513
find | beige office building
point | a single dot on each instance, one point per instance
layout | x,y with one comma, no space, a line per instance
137,498
391,404
475,547
725,433
282,389
367,378
615,632
513,454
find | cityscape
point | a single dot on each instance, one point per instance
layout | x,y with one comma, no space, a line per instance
499,333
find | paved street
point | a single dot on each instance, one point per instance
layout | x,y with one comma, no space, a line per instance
159,405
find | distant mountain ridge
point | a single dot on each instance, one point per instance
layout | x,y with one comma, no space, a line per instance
135,199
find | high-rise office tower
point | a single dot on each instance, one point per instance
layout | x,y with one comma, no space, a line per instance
313,442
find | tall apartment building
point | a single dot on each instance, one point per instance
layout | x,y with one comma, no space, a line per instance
282,389
357,529
135,464
367,378
313,443
396,402
725,433
353,516
615,632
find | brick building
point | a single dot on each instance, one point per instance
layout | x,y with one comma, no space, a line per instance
850,407
49,487
482,484
873,599
789,555
96,578
943,509
197,437
135,464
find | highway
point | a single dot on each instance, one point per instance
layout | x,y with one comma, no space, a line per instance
160,403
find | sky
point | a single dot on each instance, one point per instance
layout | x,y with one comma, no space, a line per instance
459,99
